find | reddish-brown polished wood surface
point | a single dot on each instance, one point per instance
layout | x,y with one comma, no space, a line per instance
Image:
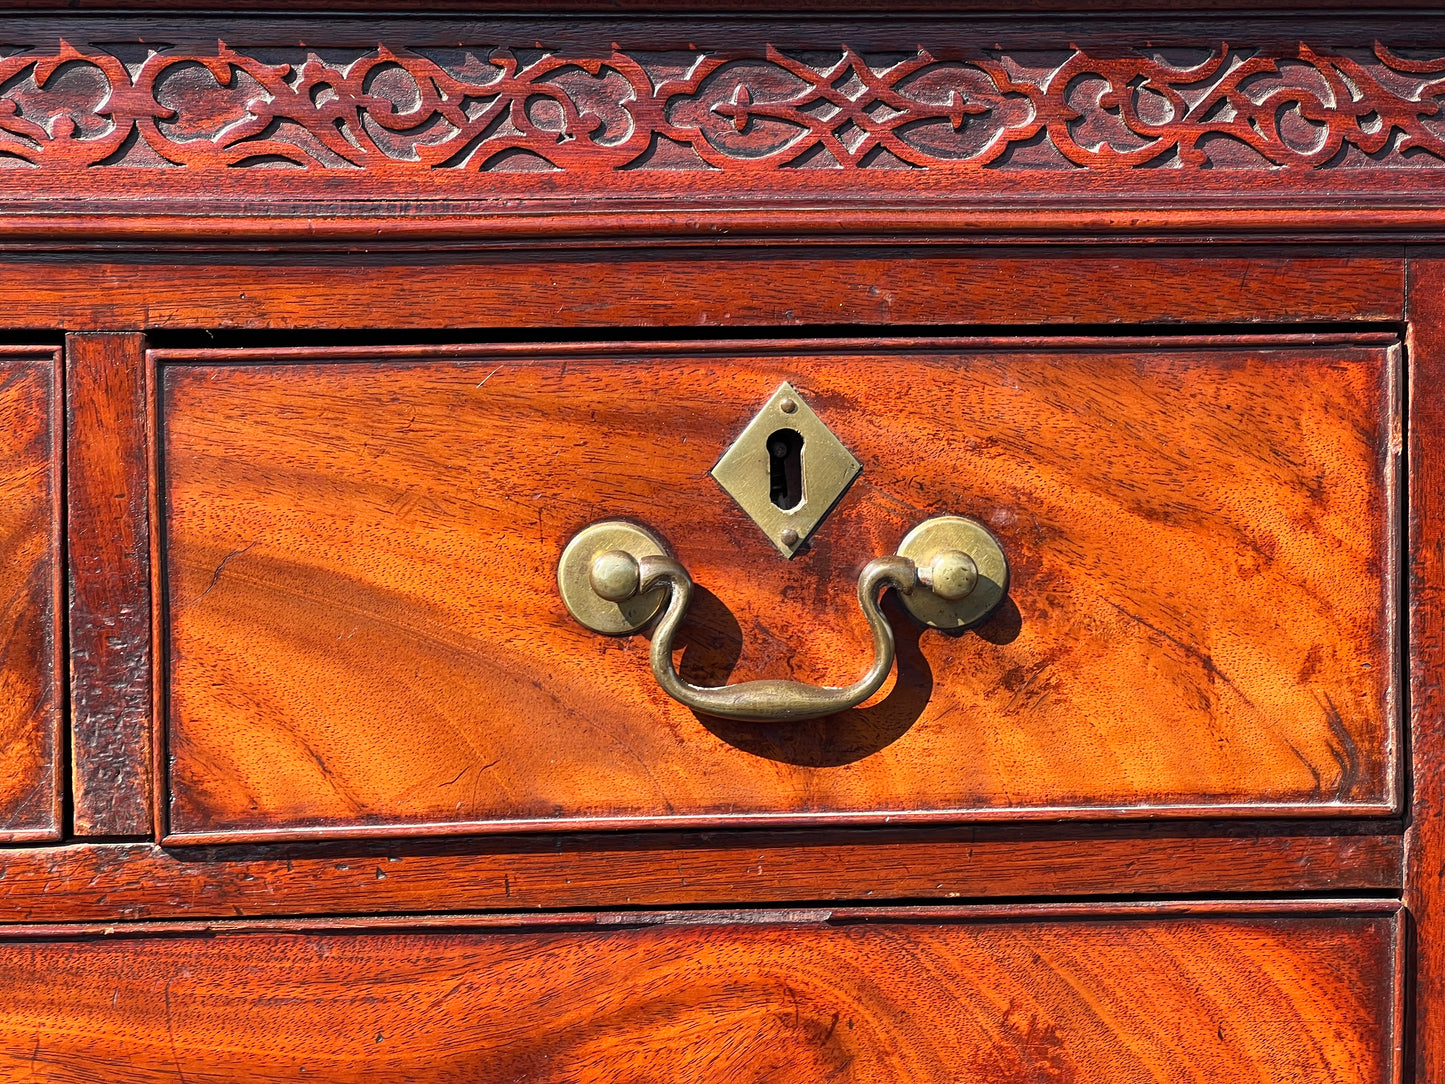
364,629
1113,999
658,285
31,576
131,881
108,546
431,173
1424,883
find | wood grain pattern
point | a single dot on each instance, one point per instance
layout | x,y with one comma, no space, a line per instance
364,630
684,286
134,881
1424,883
1278,999
108,547
32,671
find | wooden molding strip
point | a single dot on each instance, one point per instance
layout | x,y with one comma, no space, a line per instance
682,287
1103,910
143,881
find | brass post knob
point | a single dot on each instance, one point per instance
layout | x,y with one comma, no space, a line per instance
614,575
952,575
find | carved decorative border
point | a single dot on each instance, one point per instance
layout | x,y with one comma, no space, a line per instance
947,109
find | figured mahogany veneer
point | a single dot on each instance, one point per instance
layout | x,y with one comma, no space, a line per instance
1276,995
364,632
32,669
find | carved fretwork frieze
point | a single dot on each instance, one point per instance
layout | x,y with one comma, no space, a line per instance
947,107
247,128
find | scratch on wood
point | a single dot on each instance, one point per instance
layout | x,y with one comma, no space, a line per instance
216,576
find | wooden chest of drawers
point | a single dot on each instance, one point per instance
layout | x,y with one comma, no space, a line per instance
331,336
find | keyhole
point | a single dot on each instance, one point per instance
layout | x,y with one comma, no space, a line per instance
785,468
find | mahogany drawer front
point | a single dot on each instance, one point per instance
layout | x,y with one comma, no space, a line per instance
363,631
31,671
1266,998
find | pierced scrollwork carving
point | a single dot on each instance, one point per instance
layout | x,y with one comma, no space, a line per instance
778,112
494,108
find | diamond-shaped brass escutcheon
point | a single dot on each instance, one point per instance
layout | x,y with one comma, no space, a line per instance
787,470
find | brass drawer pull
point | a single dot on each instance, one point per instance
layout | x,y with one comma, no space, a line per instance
613,576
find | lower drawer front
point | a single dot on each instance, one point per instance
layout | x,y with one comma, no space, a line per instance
1262,998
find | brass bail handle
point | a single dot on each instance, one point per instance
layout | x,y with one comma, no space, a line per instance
614,576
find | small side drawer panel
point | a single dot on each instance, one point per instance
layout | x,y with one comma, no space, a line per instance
364,632
1264,998
31,671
